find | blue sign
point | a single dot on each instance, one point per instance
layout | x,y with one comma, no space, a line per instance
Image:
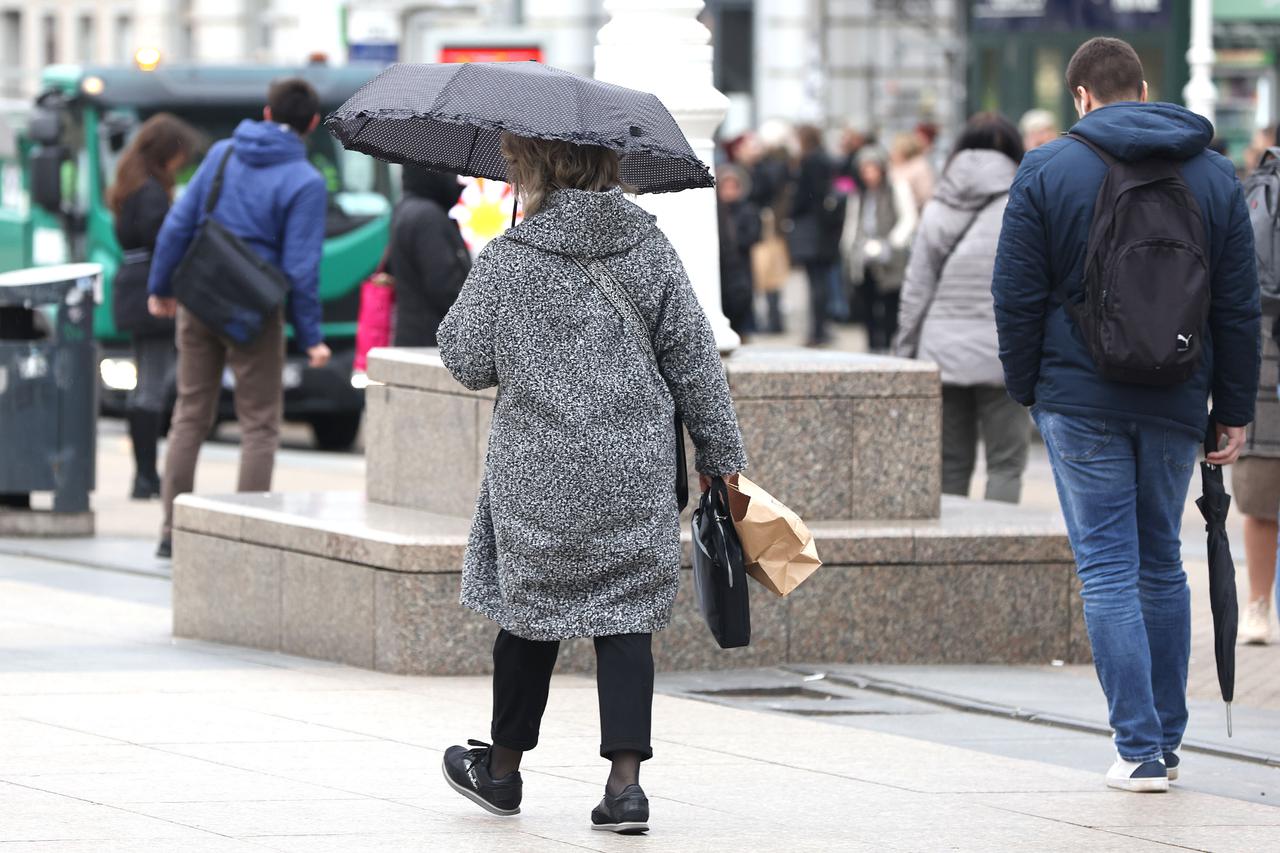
382,52
1069,15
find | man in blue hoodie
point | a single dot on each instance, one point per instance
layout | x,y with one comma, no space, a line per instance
274,201
1123,453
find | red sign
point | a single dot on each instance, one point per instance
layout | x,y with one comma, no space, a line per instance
490,54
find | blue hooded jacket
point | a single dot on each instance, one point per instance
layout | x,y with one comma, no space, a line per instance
1044,241
273,199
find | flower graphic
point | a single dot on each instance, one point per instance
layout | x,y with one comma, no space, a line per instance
484,211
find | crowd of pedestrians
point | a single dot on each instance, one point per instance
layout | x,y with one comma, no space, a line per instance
1101,284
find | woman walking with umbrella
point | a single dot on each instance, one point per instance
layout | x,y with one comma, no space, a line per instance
577,530
584,319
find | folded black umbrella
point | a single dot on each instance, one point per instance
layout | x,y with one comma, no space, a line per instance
1213,504
451,116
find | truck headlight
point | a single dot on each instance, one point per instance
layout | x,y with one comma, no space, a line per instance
119,374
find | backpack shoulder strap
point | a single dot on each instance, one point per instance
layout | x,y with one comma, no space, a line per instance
215,190
1103,155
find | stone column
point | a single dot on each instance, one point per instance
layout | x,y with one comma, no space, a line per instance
1200,95
660,46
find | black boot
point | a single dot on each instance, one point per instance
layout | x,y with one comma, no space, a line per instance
144,432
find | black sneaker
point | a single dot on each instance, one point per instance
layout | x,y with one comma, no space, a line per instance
467,772
164,550
625,814
1171,762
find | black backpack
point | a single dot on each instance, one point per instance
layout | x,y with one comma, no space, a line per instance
1146,275
1262,195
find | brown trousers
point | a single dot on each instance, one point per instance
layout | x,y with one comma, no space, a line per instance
259,399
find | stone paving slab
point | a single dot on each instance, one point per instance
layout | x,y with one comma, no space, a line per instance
162,745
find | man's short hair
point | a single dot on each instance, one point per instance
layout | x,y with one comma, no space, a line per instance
1108,68
294,102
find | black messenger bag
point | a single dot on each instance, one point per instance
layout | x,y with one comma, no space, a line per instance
222,281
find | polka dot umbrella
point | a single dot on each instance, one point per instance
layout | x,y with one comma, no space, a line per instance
452,116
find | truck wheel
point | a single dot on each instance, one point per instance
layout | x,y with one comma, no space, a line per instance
336,432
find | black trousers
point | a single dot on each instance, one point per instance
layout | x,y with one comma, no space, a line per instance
819,274
624,679
881,314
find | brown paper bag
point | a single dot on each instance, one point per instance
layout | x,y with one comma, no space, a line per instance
776,545
770,260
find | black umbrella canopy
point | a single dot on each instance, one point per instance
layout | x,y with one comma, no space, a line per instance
451,116
1213,505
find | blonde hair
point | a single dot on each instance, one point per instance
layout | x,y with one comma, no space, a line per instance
905,146
537,167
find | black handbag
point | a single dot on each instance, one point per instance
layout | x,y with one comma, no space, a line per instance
719,573
222,281
598,273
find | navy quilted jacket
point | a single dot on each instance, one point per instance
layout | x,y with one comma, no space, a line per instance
1043,243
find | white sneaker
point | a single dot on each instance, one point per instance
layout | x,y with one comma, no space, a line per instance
1143,777
1255,630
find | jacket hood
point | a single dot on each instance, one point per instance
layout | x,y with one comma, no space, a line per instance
973,177
585,224
265,143
441,187
1135,131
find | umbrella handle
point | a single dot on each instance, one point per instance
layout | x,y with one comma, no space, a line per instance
1211,442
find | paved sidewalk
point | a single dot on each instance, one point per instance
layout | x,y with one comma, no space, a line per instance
114,737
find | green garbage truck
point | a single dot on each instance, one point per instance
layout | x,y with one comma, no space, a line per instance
59,157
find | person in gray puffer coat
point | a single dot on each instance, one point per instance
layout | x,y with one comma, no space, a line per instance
946,315
577,530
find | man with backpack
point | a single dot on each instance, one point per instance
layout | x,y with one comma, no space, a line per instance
1126,295
269,204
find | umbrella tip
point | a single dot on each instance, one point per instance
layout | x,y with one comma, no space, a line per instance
1228,719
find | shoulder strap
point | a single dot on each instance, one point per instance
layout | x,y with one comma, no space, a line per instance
215,190
631,317
1097,149
951,250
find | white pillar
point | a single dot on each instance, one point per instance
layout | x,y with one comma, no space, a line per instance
1200,94
660,46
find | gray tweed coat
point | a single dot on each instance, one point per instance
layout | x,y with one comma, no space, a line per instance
576,531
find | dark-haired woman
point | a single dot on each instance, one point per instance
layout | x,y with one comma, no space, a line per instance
946,313
140,198
429,259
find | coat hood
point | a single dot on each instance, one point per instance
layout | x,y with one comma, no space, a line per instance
585,224
265,143
441,187
973,176
1136,131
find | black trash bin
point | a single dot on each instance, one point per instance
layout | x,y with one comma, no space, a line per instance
48,392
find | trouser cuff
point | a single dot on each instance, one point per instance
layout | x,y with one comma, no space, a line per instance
518,744
608,749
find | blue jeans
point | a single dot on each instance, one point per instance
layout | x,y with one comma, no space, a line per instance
1123,485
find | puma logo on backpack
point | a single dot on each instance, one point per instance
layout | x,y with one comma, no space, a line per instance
1146,276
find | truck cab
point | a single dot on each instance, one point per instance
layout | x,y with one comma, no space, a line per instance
66,153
